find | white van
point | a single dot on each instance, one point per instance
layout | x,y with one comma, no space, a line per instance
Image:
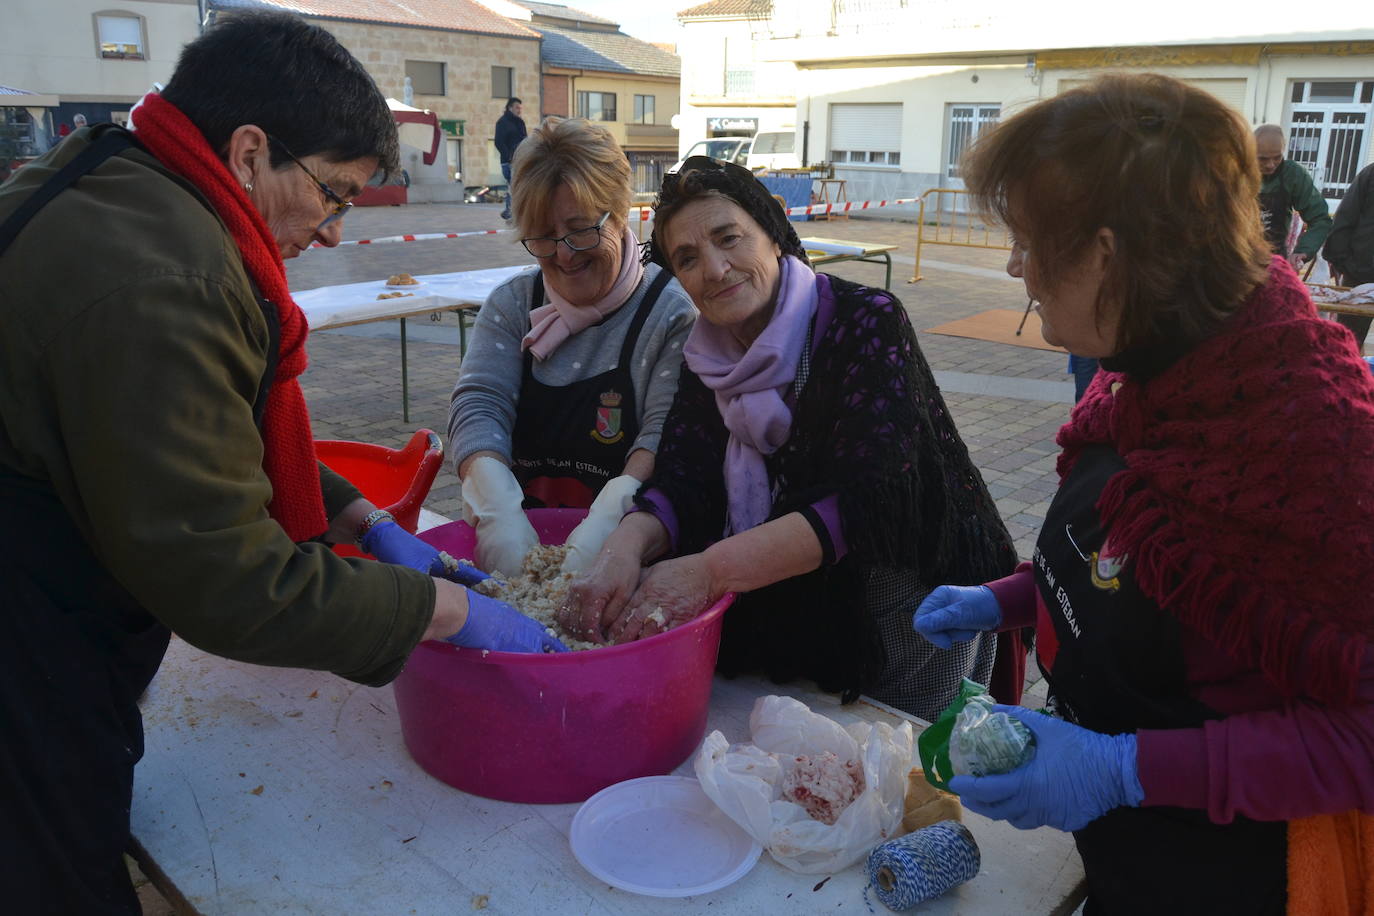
726,149
774,149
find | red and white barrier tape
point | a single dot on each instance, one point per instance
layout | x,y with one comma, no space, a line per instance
645,214
820,209
424,237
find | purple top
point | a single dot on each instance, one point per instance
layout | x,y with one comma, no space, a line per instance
825,512
1271,758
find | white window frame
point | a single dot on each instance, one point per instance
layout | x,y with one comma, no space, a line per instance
140,51
641,109
964,123
1330,130
874,155
584,109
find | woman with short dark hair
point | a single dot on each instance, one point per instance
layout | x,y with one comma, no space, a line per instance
156,460
808,463
1200,587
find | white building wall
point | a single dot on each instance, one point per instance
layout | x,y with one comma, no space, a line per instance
51,47
924,94
716,56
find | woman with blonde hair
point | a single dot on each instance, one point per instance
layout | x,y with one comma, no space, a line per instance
1200,586
572,367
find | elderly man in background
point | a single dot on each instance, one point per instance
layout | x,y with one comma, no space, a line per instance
1350,247
1286,186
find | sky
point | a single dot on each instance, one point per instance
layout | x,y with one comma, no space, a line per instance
649,20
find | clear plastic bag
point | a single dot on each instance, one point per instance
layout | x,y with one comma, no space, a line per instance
746,782
999,741
984,742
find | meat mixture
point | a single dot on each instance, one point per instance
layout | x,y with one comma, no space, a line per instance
823,784
539,591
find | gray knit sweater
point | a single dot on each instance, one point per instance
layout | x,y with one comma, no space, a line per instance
482,410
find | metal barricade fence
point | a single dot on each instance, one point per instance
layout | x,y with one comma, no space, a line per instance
945,218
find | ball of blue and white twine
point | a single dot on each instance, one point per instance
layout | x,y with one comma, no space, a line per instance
922,865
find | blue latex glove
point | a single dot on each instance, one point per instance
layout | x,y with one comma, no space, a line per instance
1370,360
390,543
497,626
1076,776
957,613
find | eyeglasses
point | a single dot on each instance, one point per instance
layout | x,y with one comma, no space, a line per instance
336,206
577,240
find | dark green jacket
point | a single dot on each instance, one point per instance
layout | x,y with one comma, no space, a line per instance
1291,188
1350,247
131,351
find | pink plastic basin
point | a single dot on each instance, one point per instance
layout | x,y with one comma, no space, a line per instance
561,727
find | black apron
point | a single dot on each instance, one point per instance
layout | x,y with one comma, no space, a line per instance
1114,663
570,440
1276,212
77,652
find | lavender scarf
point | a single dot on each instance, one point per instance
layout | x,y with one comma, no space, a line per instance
750,386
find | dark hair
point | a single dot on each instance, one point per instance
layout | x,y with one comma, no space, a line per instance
512,101
292,79
701,177
1169,169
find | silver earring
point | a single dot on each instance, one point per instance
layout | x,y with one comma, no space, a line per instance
248,186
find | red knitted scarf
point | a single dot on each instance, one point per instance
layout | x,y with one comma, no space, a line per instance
1247,503
288,447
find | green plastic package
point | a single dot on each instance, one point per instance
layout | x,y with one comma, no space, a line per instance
969,738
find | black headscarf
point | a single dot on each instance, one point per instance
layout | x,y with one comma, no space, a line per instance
702,174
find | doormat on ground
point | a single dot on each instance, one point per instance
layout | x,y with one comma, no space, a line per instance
998,326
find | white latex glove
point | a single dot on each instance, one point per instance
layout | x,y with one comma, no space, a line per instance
609,507
491,504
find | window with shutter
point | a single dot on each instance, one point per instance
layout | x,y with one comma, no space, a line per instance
868,135
119,36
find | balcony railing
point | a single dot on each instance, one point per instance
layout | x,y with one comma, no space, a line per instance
739,83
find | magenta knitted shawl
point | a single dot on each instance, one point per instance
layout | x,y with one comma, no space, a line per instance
1247,504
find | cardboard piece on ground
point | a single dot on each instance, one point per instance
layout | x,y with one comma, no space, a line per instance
998,326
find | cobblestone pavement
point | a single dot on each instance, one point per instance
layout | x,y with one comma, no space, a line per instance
1008,401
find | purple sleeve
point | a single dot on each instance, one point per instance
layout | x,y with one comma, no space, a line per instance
1016,596
824,516
1297,760
655,502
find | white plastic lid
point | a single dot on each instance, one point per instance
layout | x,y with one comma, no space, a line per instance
660,836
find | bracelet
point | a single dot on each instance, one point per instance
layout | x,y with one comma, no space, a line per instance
369,522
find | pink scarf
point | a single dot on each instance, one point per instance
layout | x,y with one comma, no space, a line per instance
560,319
750,387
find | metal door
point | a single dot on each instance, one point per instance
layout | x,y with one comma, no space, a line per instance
1329,130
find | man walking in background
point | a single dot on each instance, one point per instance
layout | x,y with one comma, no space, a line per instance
510,131
1285,186
1350,247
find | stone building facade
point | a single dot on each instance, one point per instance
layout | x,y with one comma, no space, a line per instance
470,103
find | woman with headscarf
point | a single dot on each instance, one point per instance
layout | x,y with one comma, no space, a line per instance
808,463
156,460
1200,588
572,367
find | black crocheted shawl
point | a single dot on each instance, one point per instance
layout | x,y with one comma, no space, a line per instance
870,425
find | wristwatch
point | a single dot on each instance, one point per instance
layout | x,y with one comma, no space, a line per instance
369,522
